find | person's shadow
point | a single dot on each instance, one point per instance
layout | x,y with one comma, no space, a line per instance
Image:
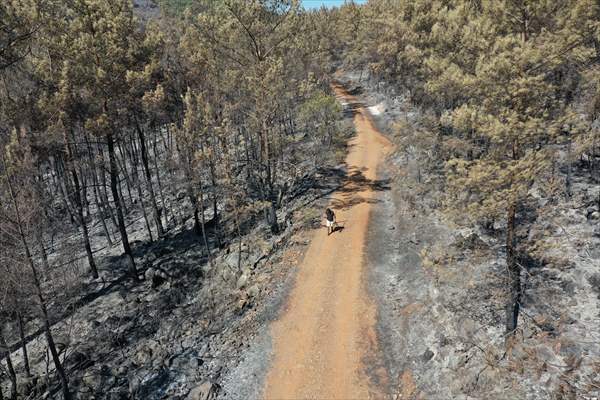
337,228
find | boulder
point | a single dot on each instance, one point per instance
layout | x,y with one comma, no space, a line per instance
457,360
148,274
26,385
79,359
428,355
231,259
118,394
149,258
120,371
468,327
204,391
253,291
143,357
589,211
470,241
241,305
156,276
249,257
242,280
92,379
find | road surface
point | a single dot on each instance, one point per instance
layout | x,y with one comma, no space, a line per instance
324,343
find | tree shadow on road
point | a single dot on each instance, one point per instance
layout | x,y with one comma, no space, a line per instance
356,190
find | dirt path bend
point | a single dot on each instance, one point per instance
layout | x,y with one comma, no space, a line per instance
325,343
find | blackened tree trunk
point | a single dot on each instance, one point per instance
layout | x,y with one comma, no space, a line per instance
568,180
114,177
192,196
21,325
96,192
62,179
84,190
213,180
124,209
148,177
42,301
270,181
77,199
101,214
40,240
138,185
104,186
123,165
12,376
158,181
204,237
514,273
83,225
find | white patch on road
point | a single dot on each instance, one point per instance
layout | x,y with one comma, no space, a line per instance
377,109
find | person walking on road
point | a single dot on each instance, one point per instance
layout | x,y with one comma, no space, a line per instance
330,221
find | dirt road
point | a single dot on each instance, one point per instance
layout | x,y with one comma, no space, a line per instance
324,343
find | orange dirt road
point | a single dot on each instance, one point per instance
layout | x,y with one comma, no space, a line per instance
324,343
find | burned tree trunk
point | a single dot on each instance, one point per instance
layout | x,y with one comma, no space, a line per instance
23,344
148,177
114,177
514,273
104,186
12,376
78,201
39,294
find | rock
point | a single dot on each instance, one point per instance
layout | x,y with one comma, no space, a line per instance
457,360
468,327
242,280
253,291
186,363
204,391
26,385
158,280
149,274
92,379
143,357
594,281
232,258
589,212
118,394
80,360
248,258
149,258
156,276
595,216
144,384
543,322
596,231
471,241
134,383
428,355
227,274
241,304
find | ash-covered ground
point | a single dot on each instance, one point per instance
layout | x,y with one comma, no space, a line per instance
441,288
